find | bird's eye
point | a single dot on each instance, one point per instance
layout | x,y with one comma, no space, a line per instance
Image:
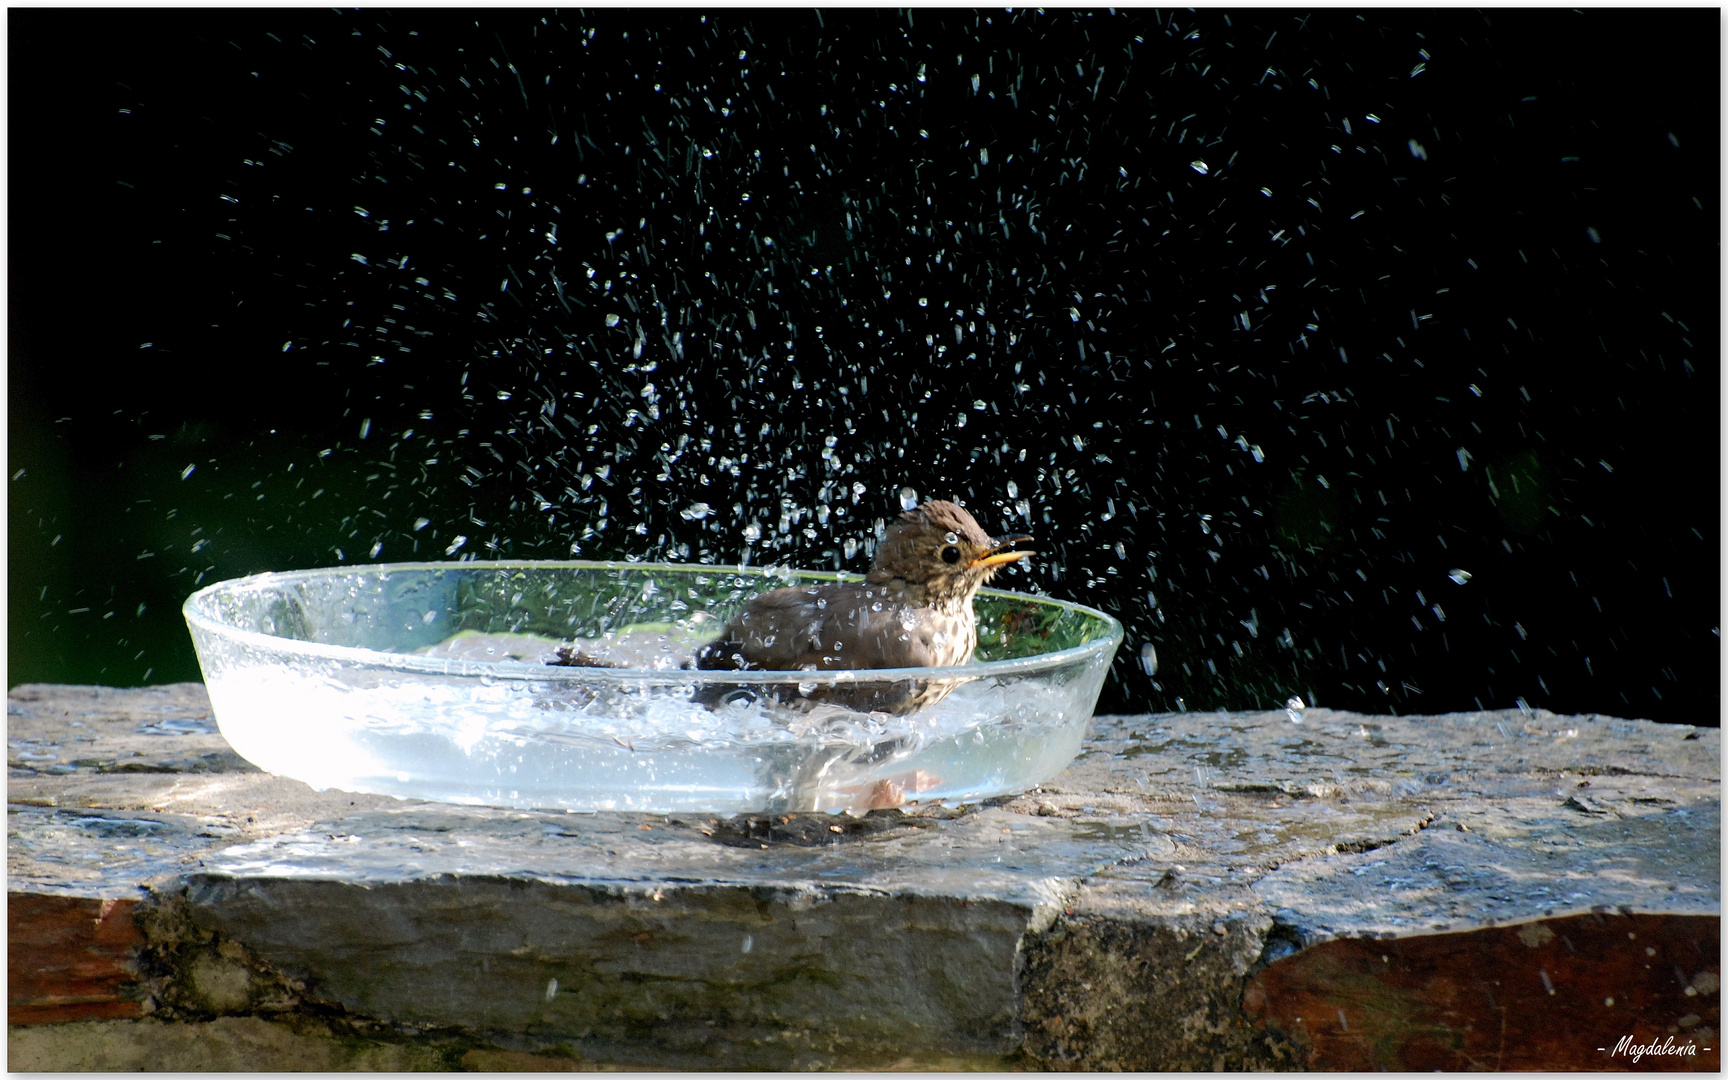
950,554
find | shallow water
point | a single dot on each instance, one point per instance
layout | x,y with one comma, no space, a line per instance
550,745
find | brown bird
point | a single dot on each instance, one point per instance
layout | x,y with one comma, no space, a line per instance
913,609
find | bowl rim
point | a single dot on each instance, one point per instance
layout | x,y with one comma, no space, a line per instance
515,671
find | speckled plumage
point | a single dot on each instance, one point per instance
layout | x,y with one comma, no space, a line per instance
913,609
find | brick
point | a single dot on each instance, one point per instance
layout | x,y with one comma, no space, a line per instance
1550,995
71,958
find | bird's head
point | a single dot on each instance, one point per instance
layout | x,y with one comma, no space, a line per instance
940,549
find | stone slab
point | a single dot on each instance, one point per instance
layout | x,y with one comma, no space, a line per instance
1190,886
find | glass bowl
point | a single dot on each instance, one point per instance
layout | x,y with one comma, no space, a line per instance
429,681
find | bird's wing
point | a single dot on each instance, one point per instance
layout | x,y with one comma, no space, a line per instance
775,632
823,628
879,635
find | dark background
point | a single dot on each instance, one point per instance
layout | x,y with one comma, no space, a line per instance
1265,323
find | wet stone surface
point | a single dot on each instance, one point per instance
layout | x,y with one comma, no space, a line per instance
1179,897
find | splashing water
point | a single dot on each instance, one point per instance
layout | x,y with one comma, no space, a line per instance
717,286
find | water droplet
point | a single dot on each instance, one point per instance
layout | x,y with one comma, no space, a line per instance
908,499
1460,576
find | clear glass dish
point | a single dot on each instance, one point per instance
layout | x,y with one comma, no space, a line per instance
428,680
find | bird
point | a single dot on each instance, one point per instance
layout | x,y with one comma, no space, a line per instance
913,609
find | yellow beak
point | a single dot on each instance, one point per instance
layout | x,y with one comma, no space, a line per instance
998,557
